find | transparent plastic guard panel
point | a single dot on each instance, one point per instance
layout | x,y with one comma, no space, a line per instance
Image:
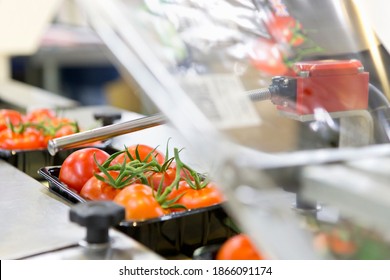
265,92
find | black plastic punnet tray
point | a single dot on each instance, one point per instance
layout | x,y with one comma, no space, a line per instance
171,235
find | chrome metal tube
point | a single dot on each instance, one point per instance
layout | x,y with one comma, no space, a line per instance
103,133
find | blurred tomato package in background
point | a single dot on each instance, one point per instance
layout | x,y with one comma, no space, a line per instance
24,138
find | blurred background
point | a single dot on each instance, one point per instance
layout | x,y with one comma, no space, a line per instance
71,60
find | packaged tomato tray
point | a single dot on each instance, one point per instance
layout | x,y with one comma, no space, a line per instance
170,235
24,138
171,219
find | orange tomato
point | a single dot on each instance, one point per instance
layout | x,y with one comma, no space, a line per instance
238,247
197,198
139,202
95,189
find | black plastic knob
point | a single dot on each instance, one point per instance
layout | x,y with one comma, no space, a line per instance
107,118
97,217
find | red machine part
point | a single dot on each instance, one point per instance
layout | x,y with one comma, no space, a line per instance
332,85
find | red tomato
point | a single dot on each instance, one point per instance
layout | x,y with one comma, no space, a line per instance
139,202
285,29
238,247
95,189
9,116
79,166
39,115
197,198
145,153
26,140
165,178
266,56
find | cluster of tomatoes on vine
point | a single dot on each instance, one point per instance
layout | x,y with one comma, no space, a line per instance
146,182
32,130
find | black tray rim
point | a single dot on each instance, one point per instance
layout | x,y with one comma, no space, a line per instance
7,153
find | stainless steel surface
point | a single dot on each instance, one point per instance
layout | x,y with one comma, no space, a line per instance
32,219
103,133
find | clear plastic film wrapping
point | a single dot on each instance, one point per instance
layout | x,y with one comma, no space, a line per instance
273,96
